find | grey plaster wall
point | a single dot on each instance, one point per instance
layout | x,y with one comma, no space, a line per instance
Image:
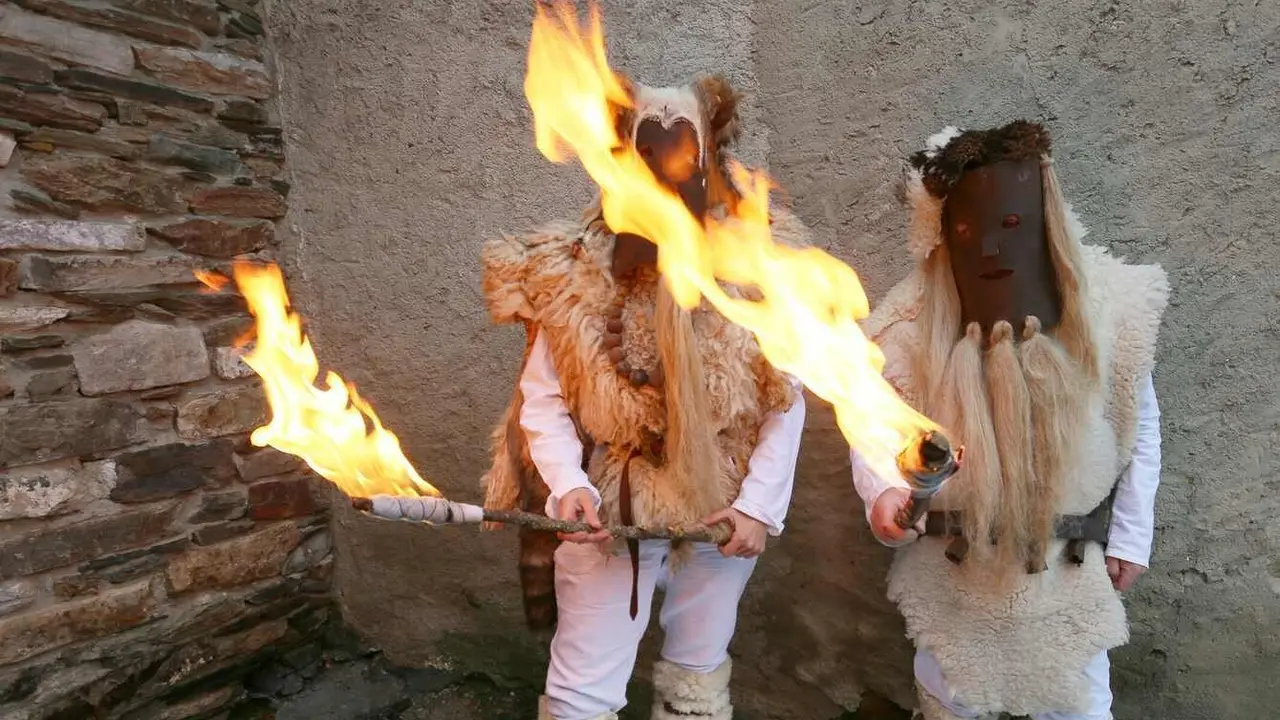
410,141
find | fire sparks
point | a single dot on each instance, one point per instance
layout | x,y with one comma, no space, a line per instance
332,428
806,323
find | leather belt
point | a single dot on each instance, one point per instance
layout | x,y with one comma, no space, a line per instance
1077,530
1089,527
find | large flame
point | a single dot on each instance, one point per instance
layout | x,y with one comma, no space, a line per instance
332,428
806,323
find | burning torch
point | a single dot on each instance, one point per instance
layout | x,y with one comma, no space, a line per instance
926,463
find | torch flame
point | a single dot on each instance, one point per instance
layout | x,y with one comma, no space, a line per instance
806,324
213,281
333,429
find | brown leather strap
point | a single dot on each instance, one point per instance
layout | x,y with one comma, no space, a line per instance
1077,530
957,550
1087,528
1095,526
941,523
633,545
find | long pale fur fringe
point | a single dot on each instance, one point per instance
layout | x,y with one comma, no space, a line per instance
690,447
966,409
1056,387
1011,413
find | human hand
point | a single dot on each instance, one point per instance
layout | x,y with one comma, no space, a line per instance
579,505
884,515
1123,573
748,536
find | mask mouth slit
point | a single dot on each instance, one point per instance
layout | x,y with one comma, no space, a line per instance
1000,274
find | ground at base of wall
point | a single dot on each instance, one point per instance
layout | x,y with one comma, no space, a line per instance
340,678
367,689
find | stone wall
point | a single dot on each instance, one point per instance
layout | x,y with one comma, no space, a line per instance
149,555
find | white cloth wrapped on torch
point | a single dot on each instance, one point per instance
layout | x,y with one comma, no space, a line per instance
433,510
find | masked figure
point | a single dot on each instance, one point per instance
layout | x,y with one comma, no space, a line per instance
632,410
1035,351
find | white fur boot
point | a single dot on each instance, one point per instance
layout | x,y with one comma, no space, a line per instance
680,694
545,714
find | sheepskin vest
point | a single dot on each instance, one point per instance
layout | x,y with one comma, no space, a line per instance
1022,651
559,281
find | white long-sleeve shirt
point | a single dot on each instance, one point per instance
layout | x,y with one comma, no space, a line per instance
1132,513
557,451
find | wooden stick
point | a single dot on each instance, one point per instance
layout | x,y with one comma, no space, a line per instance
461,513
719,534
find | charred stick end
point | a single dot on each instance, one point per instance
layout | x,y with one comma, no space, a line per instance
364,505
935,449
927,463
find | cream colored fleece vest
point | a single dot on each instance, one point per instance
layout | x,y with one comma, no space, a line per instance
1023,651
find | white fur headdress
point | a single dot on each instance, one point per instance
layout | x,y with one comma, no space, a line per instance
924,231
709,103
948,154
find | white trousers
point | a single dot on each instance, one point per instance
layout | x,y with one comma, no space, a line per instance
1098,671
594,649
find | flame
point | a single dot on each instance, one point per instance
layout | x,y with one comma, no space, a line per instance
214,281
332,428
806,324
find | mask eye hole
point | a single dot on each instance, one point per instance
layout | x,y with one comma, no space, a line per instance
1012,221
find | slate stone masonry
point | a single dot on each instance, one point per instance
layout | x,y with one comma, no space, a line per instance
150,556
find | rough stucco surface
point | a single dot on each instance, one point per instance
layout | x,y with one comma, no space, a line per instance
411,142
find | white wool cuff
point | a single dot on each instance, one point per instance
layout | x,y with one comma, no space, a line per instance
680,694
